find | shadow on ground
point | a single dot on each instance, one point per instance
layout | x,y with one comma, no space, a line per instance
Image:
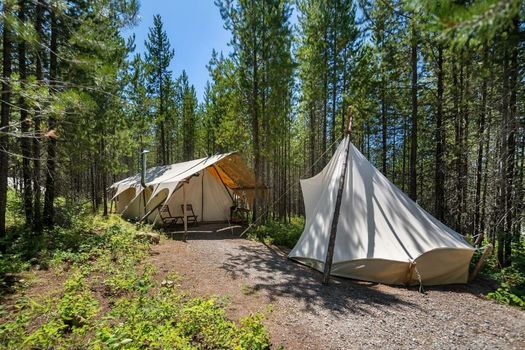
273,273
270,271
479,287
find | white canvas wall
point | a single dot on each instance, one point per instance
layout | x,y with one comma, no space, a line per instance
207,195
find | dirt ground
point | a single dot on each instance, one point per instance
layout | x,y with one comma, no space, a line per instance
304,314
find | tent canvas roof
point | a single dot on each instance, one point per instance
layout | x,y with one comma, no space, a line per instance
230,167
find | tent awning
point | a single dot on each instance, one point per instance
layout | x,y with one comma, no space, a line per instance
228,167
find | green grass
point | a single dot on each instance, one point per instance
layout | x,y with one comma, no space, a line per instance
109,298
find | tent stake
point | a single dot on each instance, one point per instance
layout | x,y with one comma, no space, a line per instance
335,220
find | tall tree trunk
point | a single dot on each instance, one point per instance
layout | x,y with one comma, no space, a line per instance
467,220
24,122
368,133
312,140
479,166
4,119
503,188
458,103
440,143
384,128
325,99
511,146
93,190
404,162
104,176
413,130
334,87
255,119
520,198
344,91
160,116
49,198
37,210
482,219
394,154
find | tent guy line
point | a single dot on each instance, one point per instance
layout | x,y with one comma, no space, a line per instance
295,183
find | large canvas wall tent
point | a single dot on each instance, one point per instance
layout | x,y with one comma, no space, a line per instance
211,185
381,234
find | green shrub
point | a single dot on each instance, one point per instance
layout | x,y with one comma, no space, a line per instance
504,295
125,278
10,264
511,279
279,233
142,322
253,334
205,323
77,309
15,209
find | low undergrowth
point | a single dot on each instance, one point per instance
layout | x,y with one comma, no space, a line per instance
279,233
109,298
511,279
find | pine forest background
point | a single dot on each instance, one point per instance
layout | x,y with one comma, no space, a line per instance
436,90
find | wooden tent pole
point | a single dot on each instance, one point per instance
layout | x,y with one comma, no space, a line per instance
184,211
335,220
202,195
481,261
144,199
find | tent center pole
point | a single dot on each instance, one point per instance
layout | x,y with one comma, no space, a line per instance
337,209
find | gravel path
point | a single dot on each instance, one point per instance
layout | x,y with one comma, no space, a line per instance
304,314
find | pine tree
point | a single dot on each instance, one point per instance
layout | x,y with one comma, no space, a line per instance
158,56
36,149
51,174
189,117
259,28
24,120
4,112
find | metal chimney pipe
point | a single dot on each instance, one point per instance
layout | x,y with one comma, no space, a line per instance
144,165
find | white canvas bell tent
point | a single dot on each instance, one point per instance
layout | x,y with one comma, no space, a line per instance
382,235
211,185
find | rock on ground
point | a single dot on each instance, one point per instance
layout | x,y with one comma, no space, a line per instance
149,237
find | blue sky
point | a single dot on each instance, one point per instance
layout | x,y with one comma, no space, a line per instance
194,28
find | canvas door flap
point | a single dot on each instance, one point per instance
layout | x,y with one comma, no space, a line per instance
221,176
236,170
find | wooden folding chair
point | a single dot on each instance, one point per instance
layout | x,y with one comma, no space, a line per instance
190,214
166,217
